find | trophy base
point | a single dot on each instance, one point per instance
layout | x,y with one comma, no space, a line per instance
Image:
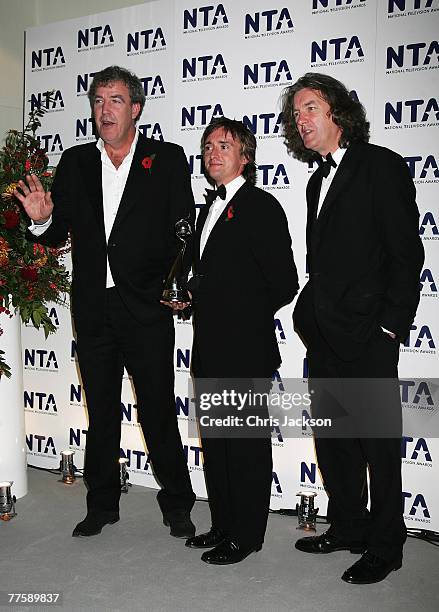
175,295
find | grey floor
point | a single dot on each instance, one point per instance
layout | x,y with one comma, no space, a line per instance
135,564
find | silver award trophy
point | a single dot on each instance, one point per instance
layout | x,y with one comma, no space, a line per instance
173,291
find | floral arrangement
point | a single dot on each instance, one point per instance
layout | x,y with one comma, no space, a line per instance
30,274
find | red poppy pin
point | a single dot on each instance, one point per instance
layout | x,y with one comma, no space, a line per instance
230,213
147,162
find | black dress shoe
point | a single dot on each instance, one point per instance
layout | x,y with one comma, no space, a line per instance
93,523
180,523
207,540
227,552
327,543
370,569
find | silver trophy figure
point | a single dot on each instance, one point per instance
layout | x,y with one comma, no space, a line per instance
173,291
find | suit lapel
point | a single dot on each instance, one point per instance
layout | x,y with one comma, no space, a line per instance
312,199
237,198
137,180
91,169
201,220
344,173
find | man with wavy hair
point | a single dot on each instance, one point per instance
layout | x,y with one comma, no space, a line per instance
364,258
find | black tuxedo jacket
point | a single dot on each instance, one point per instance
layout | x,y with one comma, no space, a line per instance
142,244
364,252
246,273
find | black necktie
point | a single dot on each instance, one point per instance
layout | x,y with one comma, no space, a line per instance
212,194
325,165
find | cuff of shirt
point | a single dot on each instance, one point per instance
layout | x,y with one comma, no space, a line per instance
386,331
39,228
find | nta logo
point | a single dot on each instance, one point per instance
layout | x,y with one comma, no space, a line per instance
412,55
411,449
153,86
203,114
48,58
267,72
49,100
150,130
275,176
36,400
412,111
183,357
416,392
428,226
421,168
263,124
418,504
40,358
205,65
40,444
85,128
337,49
50,143
98,36
205,17
428,284
424,337
308,472
279,329
273,21
194,456
83,82
402,5
146,40
317,4
276,482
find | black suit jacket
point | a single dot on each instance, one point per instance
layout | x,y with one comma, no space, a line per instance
246,273
142,244
364,252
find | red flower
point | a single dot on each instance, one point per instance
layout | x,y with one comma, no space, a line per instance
147,161
12,218
30,273
38,248
230,212
27,165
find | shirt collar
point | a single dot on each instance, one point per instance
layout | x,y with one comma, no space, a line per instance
101,147
233,186
337,156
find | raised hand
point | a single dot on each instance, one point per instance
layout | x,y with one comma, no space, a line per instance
36,202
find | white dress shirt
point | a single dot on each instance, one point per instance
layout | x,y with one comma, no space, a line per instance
217,208
337,156
113,185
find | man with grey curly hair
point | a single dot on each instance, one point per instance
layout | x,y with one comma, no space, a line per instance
120,198
364,259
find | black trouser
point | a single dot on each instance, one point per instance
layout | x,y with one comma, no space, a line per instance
147,354
238,466
238,476
343,461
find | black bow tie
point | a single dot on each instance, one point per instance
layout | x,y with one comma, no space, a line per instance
325,165
212,194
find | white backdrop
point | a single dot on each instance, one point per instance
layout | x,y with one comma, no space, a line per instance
234,58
